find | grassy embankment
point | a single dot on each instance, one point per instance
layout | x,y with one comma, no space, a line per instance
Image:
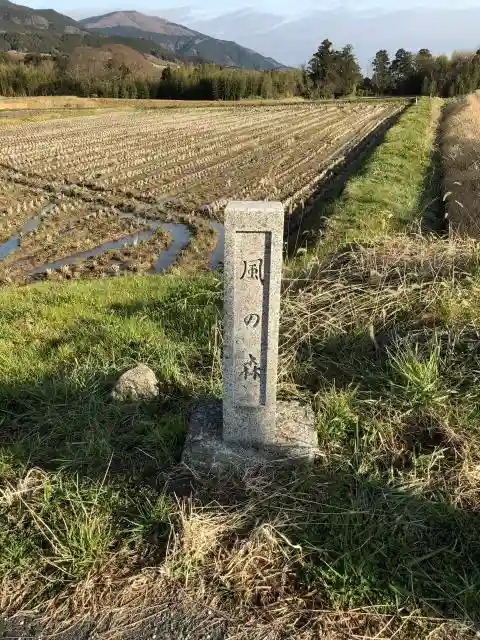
380,540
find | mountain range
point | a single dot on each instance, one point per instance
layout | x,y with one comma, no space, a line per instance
47,31
236,36
442,27
180,40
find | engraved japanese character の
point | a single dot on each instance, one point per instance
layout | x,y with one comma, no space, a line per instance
252,320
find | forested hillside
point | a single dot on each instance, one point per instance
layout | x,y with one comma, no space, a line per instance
119,72
106,68
29,30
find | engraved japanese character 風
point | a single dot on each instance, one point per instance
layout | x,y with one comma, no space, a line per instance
252,270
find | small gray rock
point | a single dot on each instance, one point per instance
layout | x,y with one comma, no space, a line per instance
138,384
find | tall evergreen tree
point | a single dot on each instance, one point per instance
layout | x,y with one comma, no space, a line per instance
425,66
403,72
382,77
322,70
348,72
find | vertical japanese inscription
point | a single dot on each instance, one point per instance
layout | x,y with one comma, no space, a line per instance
252,273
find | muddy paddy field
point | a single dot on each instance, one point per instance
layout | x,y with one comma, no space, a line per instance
121,192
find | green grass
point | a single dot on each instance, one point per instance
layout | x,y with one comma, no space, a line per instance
391,192
380,539
61,349
384,197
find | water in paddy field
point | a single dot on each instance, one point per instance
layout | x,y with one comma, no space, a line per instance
181,239
9,246
180,233
13,243
141,236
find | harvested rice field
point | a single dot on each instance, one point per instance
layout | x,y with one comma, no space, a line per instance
140,191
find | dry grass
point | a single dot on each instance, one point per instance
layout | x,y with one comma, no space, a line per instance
257,571
71,102
461,151
379,540
372,286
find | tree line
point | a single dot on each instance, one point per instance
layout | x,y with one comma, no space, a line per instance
37,75
331,73
425,74
336,73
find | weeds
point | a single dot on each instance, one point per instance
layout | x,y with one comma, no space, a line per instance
417,377
460,153
378,540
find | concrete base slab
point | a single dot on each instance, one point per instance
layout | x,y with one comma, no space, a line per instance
296,440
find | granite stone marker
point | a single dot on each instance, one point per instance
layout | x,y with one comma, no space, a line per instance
253,275
252,427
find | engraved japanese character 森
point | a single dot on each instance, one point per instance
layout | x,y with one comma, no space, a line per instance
251,368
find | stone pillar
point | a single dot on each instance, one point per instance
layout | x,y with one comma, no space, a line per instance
252,429
253,275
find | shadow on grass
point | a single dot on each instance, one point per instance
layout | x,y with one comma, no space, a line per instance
364,543
431,204
367,547
59,425
66,420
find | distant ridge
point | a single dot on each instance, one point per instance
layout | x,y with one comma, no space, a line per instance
29,30
136,20
178,39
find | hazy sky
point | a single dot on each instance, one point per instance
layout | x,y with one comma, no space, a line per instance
291,30
210,8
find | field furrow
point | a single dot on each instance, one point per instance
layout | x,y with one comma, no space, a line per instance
68,183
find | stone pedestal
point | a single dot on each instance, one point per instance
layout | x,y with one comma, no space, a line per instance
295,440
